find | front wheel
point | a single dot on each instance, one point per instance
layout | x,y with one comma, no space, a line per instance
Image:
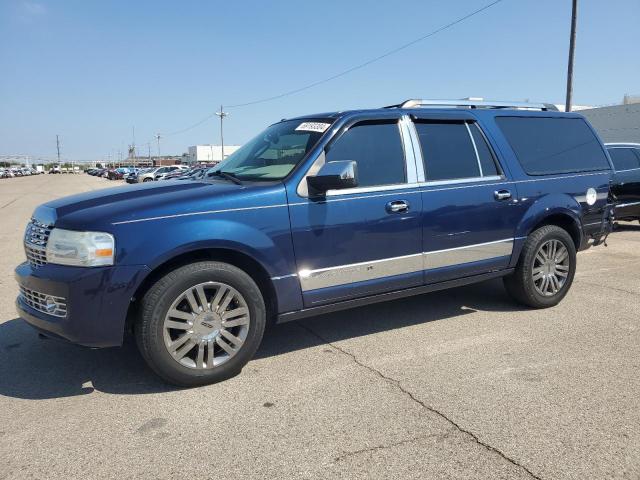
147,180
545,270
201,323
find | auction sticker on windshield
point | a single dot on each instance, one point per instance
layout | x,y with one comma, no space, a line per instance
313,126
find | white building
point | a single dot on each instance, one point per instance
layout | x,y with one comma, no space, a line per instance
210,153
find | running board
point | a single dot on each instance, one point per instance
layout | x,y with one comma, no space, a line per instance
384,297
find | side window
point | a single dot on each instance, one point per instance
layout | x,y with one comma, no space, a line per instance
447,151
487,160
376,148
552,145
624,158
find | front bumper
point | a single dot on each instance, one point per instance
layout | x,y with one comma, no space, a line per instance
97,301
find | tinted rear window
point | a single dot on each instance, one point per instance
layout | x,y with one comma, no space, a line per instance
547,145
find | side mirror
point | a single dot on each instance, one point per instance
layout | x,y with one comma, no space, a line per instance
334,176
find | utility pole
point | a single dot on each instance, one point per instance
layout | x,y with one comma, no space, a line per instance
158,139
221,114
133,145
572,48
58,148
149,153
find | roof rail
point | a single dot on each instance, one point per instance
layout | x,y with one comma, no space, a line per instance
473,103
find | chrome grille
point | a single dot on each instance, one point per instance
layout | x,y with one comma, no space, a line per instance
35,242
49,304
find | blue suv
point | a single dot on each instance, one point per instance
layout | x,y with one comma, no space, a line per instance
315,214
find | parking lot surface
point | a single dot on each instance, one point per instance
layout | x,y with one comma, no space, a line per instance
457,384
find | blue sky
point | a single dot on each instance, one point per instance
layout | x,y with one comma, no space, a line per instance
91,70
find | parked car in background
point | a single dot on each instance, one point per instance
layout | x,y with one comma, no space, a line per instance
133,176
168,170
317,214
625,187
151,174
118,173
55,169
181,174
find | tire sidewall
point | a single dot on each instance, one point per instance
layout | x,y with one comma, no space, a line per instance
167,291
531,249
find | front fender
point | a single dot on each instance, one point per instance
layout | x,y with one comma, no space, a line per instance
264,236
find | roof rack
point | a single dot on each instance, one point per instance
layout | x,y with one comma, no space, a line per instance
473,103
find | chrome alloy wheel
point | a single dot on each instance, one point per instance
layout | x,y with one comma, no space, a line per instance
550,268
206,325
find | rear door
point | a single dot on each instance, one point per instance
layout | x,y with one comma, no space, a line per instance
365,240
626,181
470,210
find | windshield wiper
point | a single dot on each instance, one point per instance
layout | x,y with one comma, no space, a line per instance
227,175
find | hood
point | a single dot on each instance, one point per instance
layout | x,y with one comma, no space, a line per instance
100,209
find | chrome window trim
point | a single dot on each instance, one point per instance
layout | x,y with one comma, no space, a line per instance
409,153
382,188
417,148
457,181
475,148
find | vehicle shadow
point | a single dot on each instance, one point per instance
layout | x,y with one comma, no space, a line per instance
35,368
626,227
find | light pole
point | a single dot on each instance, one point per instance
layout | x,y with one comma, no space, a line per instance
221,114
572,48
158,140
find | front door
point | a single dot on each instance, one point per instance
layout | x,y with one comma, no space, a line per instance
365,240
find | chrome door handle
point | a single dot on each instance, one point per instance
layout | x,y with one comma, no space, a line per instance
397,206
502,194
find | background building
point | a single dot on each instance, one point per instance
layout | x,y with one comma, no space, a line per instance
617,123
209,153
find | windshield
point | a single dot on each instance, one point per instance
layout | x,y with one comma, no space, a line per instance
275,152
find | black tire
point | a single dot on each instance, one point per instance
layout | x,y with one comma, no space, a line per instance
147,180
520,284
149,329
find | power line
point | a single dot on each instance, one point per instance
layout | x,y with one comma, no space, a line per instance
344,72
369,62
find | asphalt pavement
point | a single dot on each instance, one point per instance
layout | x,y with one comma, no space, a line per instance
462,383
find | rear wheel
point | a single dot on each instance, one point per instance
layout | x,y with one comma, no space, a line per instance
545,270
201,323
147,180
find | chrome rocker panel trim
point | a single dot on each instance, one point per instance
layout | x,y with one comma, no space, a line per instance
387,267
384,297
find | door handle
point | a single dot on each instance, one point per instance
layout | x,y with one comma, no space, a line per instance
397,206
502,194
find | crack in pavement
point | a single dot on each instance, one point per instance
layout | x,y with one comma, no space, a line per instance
392,445
431,409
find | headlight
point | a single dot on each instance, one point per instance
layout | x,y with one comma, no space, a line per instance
81,249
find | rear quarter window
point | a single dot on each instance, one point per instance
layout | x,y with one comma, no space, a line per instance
548,145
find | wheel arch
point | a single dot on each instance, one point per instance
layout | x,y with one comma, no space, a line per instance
241,260
561,212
